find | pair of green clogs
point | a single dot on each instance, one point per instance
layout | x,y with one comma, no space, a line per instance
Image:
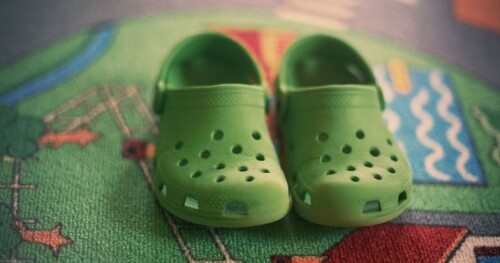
216,164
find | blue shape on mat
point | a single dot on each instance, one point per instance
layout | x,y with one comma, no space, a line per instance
428,124
488,259
99,43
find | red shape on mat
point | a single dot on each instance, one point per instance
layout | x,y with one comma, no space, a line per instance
248,37
266,45
397,243
134,149
481,13
486,251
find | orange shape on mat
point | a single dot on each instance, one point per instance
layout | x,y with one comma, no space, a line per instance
150,150
81,137
481,13
400,76
51,238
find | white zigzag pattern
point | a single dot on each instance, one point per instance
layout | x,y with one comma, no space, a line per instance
393,120
452,133
391,117
384,84
426,124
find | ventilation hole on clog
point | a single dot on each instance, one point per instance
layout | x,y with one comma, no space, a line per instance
291,147
249,178
377,176
178,145
354,178
325,158
368,164
307,198
220,179
360,134
242,169
371,206
330,172
235,208
374,151
237,149
347,149
163,189
351,168
402,197
394,158
256,135
217,135
322,137
182,162
260,157
220,166
191,202
391,170
205,154
389,141
264,170
196,174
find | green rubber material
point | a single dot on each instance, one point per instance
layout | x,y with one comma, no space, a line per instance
343,166
215,162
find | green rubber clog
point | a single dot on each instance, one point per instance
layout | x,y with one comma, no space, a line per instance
344,168
215,162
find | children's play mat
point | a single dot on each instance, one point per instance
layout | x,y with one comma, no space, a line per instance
77,140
